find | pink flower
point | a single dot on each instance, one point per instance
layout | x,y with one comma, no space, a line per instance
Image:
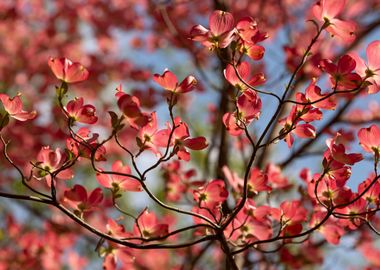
13,106
249,224
291,126
68,71
369,139
326,12
181,140
51,161
221,31
81,113
341,74
249,108
119,182
211,195
149,226
244,71
313,93
130,106
330,229
371,71
78,198
169,82
338,152
249,36
149,137
78,149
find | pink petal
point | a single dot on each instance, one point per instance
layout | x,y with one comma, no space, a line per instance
78,193
187,84
373,55
360,64
346,64
23,116
96,197
11,105
305,131
167,80
221,22
331,8
130,184
104,180
66,174
57,66
76,73
197,143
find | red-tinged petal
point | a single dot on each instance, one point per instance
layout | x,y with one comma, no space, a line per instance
24,116
374,88
212,195
109,262
261,230
243,70
312,115
86,115
167,80
225,39
66,174
131,185
187,84
328,66
346,64
78,194
373,55
199,33
151,127
129,106
58,66
361,67
257,79
96,197
331,8
249,105
161,138
147,219
256,52
11,105
118,166
245,23
229,122
342,29
197,143
338,153
289,139
104,180
73,106
332,233
369,138
317,11
76,73
305,131
182,130
221,22
139,121
350,81
233,179
183,154
258,181
160,230
292,229
313,93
